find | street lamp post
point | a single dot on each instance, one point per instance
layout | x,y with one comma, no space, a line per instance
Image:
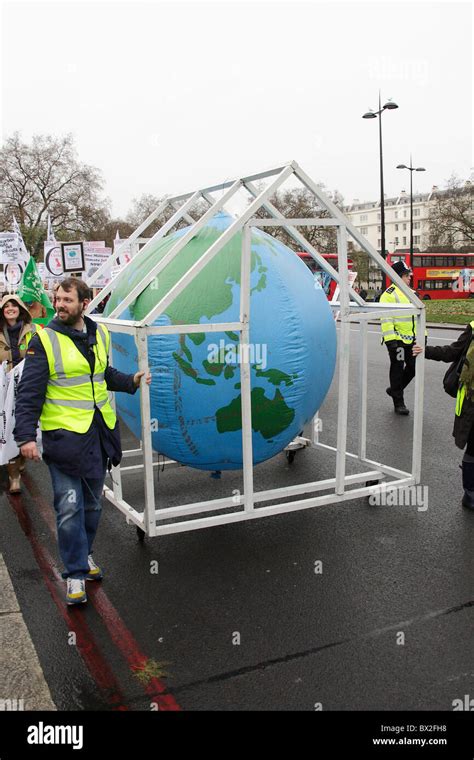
411,169
389,106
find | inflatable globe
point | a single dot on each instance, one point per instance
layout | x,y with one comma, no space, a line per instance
195,392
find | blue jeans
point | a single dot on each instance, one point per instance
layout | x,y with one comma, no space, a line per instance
77,503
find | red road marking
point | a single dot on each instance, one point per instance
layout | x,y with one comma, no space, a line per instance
121,636
85,642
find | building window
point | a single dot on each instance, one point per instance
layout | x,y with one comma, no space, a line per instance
379,229
416,240
404,240
396,228
364,230
379,243
416,225
416,212
363,217
396,214
396,241
404,213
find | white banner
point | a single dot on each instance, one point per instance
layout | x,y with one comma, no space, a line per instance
52,259
13,274
46,278
10,252
50,235
8,448
9,382
13,259
125,254
95,253
3,413
17,231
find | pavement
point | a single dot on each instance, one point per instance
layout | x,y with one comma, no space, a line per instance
347,606
23,685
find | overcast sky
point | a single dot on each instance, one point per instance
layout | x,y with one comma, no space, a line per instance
167,97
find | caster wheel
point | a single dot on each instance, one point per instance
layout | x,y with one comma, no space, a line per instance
140,534
371,483
290,456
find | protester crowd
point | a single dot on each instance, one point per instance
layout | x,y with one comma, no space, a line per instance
64,389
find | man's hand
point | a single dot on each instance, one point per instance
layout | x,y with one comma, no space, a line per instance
30,451
138,376
417,350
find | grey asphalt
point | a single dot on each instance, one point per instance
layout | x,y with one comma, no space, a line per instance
386,625
21,672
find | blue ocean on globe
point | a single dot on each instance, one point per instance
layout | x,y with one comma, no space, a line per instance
195,392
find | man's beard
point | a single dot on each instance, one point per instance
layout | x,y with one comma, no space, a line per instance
69,319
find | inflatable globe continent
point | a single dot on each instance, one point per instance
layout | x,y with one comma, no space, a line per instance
195,394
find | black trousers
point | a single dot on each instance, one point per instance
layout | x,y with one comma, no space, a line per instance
402,367
470,443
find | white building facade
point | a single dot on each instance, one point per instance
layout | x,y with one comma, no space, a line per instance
366,217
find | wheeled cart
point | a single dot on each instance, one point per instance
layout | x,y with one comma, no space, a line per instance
251,504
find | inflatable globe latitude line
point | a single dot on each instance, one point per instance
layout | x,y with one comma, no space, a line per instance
195,393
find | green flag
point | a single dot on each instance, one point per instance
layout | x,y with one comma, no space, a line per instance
31,288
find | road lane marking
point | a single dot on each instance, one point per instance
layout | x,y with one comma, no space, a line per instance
121,636
85,641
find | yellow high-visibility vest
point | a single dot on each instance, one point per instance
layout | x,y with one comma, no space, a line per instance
398,327
461,394
72,394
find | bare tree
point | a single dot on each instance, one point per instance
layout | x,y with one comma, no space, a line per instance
104,228
452,215
47,177
298,203
143,206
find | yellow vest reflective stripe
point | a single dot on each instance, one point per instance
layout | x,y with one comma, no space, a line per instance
71,393
397,327
461,394
30,334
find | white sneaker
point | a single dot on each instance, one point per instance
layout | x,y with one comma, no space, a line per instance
95,573
76,591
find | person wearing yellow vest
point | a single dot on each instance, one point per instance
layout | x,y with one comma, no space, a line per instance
64,386
463,430
16,331
399,334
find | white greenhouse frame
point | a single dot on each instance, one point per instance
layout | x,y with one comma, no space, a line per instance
245,507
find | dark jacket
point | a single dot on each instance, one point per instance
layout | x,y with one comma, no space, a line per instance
77,454
462,423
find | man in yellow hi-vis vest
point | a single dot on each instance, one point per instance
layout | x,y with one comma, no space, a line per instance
65,386
399,334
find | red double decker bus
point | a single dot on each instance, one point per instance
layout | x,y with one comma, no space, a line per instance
438,275
327,283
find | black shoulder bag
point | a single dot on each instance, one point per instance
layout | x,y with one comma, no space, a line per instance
451,378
